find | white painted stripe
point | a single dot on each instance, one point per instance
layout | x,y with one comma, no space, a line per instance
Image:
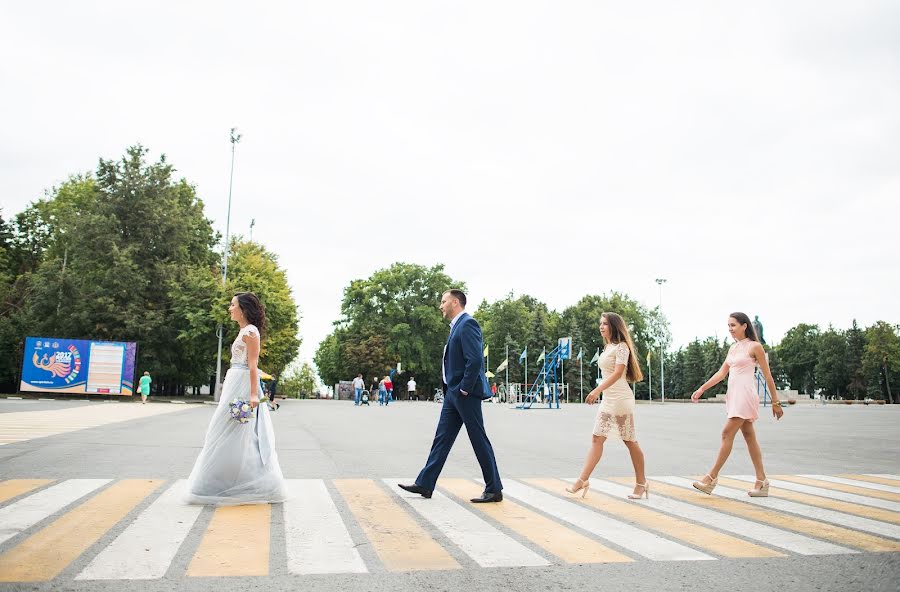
316,540
814,512
885,475
624,535
479,540
28,511
829,493
773,537
855,483
147,547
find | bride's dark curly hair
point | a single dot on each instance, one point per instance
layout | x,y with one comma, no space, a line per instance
254,311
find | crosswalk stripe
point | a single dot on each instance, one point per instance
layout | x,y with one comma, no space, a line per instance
42,556
486,545
236,543
826,484
611,501
145,549
776,537
873,479
885,475
624,535
16,487
829,493
559,540
809,510
401,544
856,483
738,502
815,500
30,510
565,543
316,539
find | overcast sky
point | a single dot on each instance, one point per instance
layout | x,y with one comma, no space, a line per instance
747,152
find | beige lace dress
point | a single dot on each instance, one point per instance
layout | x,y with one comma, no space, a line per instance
615,418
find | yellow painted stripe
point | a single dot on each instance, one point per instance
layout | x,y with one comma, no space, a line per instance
821,502
42,556
236,543
871,479
693,534
399,541
820,530
568,545
16,487
885,495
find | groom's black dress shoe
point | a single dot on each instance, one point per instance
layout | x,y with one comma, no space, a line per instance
415,489
487,498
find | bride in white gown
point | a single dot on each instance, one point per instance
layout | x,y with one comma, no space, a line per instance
238,463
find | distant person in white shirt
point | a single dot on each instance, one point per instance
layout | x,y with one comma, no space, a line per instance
411,388
358,386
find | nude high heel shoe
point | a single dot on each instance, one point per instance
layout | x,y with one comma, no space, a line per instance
761,491
706,488
581,486
645,493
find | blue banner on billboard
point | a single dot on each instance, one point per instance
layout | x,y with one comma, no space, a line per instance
55,365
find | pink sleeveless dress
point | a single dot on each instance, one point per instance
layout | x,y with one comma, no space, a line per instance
741,400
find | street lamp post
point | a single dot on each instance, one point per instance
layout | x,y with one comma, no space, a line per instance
235,138
662,357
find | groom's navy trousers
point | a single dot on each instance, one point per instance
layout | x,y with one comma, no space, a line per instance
464,372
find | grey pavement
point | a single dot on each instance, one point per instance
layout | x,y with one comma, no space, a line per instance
334,439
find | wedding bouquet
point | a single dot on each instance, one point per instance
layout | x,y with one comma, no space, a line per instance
241,411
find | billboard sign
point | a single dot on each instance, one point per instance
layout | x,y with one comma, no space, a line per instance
77,366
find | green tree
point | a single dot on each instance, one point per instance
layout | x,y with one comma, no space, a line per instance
298,383
123,255
856,351
882,360
522,322
252,268
390,317
799,352
832,374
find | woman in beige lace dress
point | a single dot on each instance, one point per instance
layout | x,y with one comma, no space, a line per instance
615,418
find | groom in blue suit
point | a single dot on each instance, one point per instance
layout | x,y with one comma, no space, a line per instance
465,386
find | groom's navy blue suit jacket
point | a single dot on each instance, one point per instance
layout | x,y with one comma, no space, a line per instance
464,359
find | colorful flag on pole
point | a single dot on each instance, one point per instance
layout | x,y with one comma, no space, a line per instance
648,358
580,355
502,366
524,354
486,350
543,353
596,357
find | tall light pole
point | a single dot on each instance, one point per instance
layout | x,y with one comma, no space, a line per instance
662,357
235,138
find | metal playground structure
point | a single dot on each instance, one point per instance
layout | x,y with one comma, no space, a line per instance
546,387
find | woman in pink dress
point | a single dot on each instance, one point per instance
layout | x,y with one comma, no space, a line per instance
741,401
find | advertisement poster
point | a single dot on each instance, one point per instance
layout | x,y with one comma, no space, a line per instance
76,366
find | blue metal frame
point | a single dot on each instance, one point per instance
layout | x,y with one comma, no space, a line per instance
548,371
761,382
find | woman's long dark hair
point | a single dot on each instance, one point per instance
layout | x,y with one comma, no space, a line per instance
254,311
743,319
618,332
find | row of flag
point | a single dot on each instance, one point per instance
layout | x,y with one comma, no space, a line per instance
524,356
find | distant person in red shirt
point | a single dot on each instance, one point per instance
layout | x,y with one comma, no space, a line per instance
389,387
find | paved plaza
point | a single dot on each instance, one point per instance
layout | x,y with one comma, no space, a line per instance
89,500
